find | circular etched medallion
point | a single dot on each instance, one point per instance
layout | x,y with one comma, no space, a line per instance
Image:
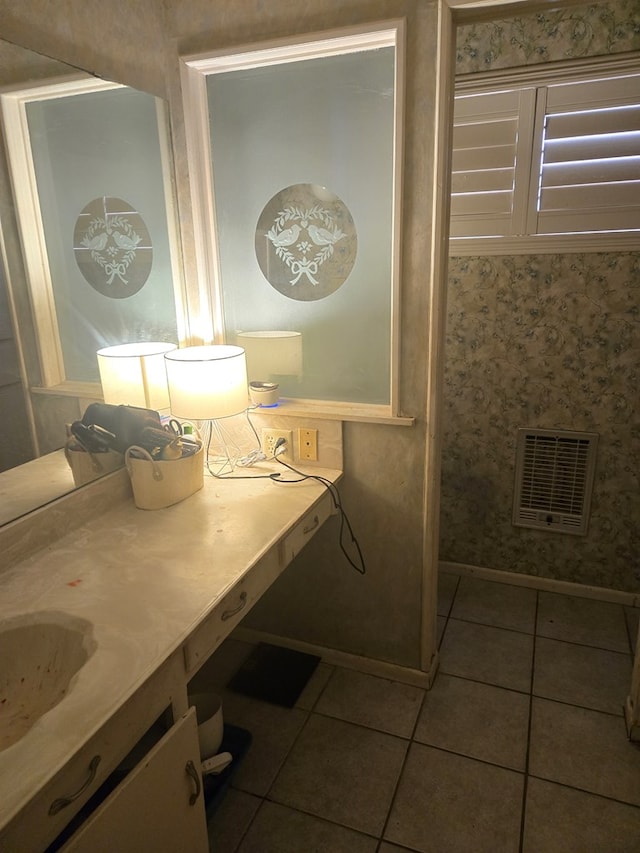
112,247
306,242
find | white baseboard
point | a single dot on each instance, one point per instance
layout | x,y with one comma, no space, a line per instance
601,593
334,657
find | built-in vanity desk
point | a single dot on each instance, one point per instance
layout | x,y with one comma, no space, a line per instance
160,591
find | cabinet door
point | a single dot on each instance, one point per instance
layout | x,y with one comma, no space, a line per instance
159,806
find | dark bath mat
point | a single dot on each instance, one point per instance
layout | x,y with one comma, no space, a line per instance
236,741
274,674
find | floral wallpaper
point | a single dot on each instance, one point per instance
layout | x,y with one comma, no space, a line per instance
546,36
549,341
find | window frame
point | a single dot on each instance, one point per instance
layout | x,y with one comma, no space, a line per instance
541,77
13,104
194,72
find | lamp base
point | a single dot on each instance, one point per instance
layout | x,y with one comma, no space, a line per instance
264,393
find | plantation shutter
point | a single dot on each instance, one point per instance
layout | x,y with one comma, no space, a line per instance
492,141
590,157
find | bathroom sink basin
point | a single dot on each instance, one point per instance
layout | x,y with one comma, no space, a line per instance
40,653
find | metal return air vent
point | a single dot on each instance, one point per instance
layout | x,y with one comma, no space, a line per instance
554,479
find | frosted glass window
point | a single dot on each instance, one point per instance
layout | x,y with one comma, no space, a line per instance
302,157
98,166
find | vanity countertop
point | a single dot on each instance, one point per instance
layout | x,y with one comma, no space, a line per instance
145,580
32,484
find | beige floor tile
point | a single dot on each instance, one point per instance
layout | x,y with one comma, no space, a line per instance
442,624
477,720
377,703
273,729
278,829
447,585
498,604
231,820
450,804
582,620
581,675
314,687
341,772
484,653
584,749
563,820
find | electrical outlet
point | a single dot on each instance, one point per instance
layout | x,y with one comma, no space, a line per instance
269,439
308,444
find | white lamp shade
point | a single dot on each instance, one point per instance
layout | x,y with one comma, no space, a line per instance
272,353
135,374
207,382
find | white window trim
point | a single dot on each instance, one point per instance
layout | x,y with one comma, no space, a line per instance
194,71
552,72
13,104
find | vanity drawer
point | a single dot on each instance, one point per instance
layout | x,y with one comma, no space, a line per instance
305,529
54,805
230,611
239,601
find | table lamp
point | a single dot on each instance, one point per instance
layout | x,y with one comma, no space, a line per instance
135,374
208,384
270,354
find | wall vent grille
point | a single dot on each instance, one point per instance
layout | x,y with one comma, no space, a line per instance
554,479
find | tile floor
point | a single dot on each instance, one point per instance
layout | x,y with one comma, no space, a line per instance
519,746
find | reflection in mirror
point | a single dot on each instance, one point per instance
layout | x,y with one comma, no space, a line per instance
89,257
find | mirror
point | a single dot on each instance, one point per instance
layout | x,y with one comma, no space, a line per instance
59,304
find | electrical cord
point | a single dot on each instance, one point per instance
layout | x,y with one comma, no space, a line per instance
345,524
280,447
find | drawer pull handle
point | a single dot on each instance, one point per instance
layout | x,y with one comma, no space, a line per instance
193,773
62,802
229,613
309,527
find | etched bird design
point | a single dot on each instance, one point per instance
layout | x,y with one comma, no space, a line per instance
284,238
124,242
323,237
97,243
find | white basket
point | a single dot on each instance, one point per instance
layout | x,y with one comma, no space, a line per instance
86,466
158,483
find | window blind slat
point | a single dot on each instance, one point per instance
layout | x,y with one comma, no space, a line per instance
591,149
484,204
594,197
490,133
594,93
498,157
478,181
484,226
576,222
592,123
482,104
591,172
